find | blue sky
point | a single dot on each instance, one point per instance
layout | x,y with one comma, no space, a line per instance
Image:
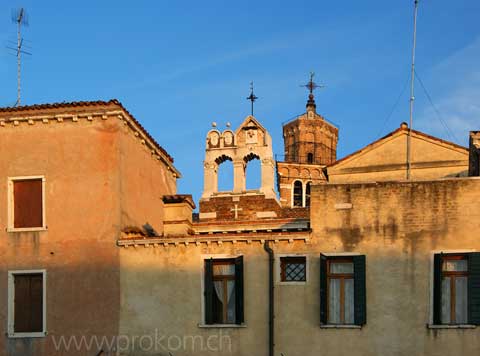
179,65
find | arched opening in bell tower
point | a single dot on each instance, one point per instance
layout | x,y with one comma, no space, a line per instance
253,172
224,173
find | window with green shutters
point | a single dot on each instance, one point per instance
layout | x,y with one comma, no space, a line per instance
456,289
342,290
223,291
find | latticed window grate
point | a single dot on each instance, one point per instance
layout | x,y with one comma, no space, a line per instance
293,269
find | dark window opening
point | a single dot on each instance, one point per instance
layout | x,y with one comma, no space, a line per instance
307,194
293,269
28,303
297,194
310,158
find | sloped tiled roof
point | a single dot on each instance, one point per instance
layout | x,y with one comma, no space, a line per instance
76,104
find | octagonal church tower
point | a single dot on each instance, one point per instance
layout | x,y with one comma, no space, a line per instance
310,144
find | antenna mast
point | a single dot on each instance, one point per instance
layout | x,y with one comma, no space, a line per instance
412,94
20,18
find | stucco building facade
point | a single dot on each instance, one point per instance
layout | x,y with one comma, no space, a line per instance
368,263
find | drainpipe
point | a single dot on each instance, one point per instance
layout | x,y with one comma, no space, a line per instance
271,299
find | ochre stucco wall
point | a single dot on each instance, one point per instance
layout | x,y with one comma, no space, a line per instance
144,181
100,178
80,165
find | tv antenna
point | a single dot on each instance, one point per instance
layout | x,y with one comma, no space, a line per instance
412,94
19,17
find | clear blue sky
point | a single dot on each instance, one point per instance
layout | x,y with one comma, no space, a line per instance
179,65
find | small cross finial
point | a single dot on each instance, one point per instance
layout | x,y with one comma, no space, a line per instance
311,86
252,96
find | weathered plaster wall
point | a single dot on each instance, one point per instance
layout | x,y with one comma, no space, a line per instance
396,225
80,163
144,181
162,300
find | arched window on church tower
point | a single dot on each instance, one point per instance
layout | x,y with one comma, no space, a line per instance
310,158
224,174
297,194
253,172
307,194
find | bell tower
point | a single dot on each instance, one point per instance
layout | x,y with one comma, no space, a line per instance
310,144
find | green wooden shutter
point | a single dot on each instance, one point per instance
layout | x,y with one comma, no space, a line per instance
360,290
239,305
437,289
474,288
323,289
208,291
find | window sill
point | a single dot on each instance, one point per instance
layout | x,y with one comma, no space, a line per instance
298,283
339,326
26,335
446,326
213,326
26,229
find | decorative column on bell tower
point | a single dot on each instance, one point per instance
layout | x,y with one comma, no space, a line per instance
310,144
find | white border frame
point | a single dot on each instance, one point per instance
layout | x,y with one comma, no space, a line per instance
11,304
430,324
218,256
278,269
10,204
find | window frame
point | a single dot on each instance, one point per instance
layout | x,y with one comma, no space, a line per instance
360,300
11,204
11,304
431,322
278,269
224,279
452,275
342,277
302,194
203,323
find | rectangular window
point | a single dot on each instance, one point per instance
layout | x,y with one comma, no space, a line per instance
293,269
26,198
224,291
456,288
26,312
342,290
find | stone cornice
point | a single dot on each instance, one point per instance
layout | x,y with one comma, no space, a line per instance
216,239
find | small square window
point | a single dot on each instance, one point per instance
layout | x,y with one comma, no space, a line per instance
293,269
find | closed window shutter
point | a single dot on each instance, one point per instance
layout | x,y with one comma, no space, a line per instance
208,292
36,300
239,302
323,289
474,288
360,292
437,289
28,303
28,206
22,305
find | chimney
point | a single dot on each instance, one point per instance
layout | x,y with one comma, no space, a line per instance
178,215
474,166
